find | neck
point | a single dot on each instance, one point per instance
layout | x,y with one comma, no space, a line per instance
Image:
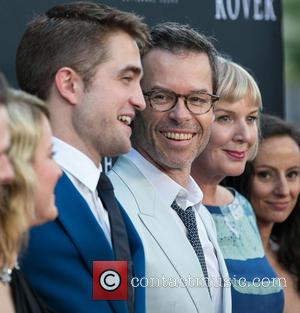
209,193
63,128
209,184
179,175
265,230
75,141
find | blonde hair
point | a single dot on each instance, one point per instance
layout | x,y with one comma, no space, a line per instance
17,204
235,83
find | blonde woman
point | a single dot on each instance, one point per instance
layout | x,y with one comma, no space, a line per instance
6,171
28,200
233,141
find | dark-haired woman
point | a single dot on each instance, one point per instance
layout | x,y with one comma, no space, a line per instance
271,182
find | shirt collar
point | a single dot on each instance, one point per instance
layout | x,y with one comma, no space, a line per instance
167,188
76,163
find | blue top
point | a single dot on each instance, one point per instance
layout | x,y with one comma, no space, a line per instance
254,285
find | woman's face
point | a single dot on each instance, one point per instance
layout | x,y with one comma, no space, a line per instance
233,138
47,172
6,169
275,184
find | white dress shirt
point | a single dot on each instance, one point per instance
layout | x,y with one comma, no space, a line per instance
168,190
84,175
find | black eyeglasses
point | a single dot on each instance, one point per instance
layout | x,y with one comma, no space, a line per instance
163,100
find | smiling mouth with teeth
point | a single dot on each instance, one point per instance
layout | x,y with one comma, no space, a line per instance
178,136
125,119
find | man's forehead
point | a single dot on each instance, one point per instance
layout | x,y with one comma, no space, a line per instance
181,53
168,67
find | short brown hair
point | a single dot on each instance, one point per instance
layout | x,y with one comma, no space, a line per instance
72,35
178,38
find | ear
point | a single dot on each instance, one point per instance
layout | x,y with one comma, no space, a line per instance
69,85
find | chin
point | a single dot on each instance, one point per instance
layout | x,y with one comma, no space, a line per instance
52,214
116,150
47,215
237,171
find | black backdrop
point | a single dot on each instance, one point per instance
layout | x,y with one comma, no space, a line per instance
247,30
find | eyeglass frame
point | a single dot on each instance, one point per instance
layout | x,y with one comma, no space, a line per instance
214,98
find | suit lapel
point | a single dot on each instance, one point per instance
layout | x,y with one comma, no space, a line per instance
138,259
161,224
81,226
78,221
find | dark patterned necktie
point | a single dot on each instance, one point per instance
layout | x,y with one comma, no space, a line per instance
188,218
119,234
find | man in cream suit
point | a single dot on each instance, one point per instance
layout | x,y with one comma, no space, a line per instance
185,270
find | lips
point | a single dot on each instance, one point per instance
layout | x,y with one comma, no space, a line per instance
237,155
279,206
179,136
126,119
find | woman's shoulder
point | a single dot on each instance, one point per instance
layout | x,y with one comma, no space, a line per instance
24,297
241,200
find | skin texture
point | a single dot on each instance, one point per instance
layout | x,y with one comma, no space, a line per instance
47,173
6,170
275,185
89,119
234,134
232,142
181,73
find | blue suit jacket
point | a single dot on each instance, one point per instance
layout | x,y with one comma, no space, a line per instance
58,261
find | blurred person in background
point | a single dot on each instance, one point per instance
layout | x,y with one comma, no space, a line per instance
271,182
6,170
28,199
233,141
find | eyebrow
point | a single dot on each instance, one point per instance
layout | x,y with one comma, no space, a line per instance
269,167
232,111
167,89
131,68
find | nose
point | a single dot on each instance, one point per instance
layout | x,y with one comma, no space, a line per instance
7,173
180,112
243,134
137,99
281,186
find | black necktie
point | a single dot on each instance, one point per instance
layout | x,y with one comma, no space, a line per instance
119,235
189,220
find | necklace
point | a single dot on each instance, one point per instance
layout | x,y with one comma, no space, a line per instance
5,274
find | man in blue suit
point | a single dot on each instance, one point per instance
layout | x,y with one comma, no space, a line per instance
83,59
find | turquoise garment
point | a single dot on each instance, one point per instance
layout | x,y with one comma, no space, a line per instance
254,285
